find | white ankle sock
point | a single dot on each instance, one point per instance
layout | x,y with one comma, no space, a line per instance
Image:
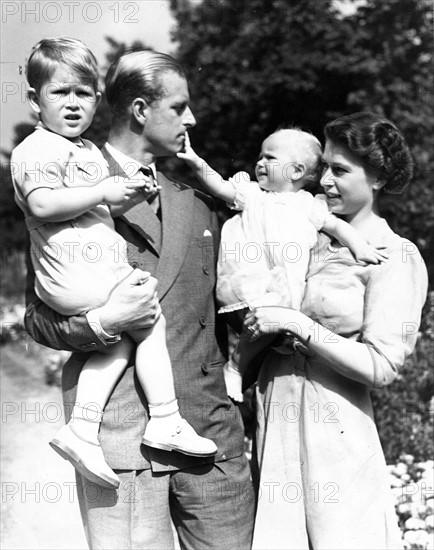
165,412
85,422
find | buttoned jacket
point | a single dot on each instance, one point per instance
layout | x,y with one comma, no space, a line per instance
181,252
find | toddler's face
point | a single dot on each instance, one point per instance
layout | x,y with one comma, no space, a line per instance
66,104
276,163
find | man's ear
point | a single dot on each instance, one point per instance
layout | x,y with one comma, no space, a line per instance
33,99
299,171
98,96
139,109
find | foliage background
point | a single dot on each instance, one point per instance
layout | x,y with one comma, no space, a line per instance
255,64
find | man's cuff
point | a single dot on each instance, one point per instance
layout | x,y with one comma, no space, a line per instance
93,319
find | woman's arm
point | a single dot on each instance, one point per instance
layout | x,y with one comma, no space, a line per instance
64,203
131,306
349,358
393,301
207,176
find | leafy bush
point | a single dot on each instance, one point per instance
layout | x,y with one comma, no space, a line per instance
404,411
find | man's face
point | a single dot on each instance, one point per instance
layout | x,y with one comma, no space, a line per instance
168,119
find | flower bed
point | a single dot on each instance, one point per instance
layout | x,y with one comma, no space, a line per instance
412,486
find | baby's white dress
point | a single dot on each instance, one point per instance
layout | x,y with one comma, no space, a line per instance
265,248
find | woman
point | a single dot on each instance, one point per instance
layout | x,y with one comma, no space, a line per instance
323,481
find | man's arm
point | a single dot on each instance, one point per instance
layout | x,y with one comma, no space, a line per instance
131,306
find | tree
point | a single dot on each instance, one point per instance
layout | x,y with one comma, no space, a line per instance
253,65
397,36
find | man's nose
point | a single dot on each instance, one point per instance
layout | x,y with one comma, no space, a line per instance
189,121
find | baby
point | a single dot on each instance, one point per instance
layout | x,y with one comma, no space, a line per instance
265,249
61,183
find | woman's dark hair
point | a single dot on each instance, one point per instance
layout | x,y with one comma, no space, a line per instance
378,144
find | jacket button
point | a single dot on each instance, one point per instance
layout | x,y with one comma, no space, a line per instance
202,322
204,368
205,270
134,265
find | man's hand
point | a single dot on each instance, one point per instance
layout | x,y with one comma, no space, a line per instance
132,305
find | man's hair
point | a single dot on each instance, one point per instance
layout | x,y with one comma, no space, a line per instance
49,53
137,74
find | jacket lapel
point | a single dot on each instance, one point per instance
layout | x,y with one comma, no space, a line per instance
141,217
177,207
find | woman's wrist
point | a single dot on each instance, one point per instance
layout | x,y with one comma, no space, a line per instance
298,325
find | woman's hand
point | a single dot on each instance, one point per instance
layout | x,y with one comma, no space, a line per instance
272,320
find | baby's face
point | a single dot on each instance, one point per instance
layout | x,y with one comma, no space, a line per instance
66,103
276,163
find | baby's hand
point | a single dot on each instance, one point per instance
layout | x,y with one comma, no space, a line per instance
371,254
189,155
116,190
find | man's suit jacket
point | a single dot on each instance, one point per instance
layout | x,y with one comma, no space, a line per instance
181,253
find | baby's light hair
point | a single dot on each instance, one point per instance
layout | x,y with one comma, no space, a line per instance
307,150
49,53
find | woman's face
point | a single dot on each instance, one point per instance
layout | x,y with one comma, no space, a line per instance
348,187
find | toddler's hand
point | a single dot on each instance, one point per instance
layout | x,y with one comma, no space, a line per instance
371,254
189,155
117,190
149,188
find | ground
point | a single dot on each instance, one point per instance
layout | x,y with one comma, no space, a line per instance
39,502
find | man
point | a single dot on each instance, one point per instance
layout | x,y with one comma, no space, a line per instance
210,500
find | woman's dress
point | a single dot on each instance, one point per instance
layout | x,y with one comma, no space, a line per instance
323,478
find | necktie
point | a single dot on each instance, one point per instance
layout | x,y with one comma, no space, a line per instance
151,199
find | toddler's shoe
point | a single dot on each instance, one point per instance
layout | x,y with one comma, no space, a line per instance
86,457
179,436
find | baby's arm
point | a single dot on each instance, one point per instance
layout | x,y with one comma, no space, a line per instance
208,177
64,203
350,237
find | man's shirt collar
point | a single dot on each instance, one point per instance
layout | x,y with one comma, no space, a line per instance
128,164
